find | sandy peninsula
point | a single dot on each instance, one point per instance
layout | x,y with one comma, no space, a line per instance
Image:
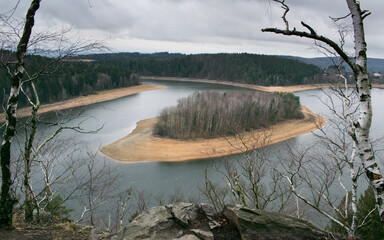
290,88
101,96
293,88
141,145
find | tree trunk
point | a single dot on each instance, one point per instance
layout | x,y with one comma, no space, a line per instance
30,199
361,128
7,200
363,124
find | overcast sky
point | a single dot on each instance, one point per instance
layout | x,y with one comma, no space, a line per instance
200,26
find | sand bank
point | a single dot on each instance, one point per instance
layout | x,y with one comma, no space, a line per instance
101,96
141,145
293,88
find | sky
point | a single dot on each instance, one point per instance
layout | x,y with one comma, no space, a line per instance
202,26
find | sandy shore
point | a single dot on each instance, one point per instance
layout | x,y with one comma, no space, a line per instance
141,145
86,100
293,88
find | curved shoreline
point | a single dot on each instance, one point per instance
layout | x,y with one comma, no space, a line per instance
141,145
101,96
107,95
292,88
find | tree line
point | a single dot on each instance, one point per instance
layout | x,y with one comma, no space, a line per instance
236,67
211,114
68,79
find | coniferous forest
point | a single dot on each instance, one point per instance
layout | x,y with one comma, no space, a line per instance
243,67
67,79
87,74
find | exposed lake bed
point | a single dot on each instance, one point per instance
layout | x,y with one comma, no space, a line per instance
142,145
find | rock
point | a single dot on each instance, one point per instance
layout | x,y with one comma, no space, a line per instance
183,212
263,225
99,233
186,221
211,215
187,237
156,223
202,234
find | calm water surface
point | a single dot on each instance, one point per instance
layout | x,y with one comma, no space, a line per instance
119,118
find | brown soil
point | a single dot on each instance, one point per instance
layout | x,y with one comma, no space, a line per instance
141,145
86,100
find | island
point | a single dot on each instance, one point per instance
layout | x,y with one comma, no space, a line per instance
146,144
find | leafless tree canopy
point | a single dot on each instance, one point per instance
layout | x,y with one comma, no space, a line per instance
212,114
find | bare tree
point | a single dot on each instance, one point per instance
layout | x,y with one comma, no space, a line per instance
96,181
251,180
57,42
7,200
359,129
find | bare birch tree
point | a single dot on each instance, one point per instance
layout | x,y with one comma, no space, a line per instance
63,48
7,200
359,129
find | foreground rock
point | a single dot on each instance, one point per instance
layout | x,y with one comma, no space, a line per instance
186,221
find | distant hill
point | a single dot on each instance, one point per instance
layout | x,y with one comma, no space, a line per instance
237,67
374,64
128,56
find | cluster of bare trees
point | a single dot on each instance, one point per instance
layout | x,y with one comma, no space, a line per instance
209,114
30,155
321,178
328,176
352,140
251,180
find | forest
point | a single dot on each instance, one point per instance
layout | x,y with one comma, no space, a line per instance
87,74
236,67
69,78
213,114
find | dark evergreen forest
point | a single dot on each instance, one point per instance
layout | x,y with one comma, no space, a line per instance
67,79
87,74
244,67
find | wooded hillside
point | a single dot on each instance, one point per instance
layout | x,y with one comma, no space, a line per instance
67,79
89,73
244,67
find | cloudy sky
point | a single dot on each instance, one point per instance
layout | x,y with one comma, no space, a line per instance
200,26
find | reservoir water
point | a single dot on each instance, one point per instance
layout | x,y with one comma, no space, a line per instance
118,118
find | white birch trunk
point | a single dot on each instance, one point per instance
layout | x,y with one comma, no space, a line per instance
363,124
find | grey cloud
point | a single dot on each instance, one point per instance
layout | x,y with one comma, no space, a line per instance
197,22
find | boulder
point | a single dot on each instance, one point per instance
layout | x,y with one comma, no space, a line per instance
187,221
156,223
265,225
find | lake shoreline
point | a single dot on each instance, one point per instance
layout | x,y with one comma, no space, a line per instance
101,96
107,95
142,146
289,88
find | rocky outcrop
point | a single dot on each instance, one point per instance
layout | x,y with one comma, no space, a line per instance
186,221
